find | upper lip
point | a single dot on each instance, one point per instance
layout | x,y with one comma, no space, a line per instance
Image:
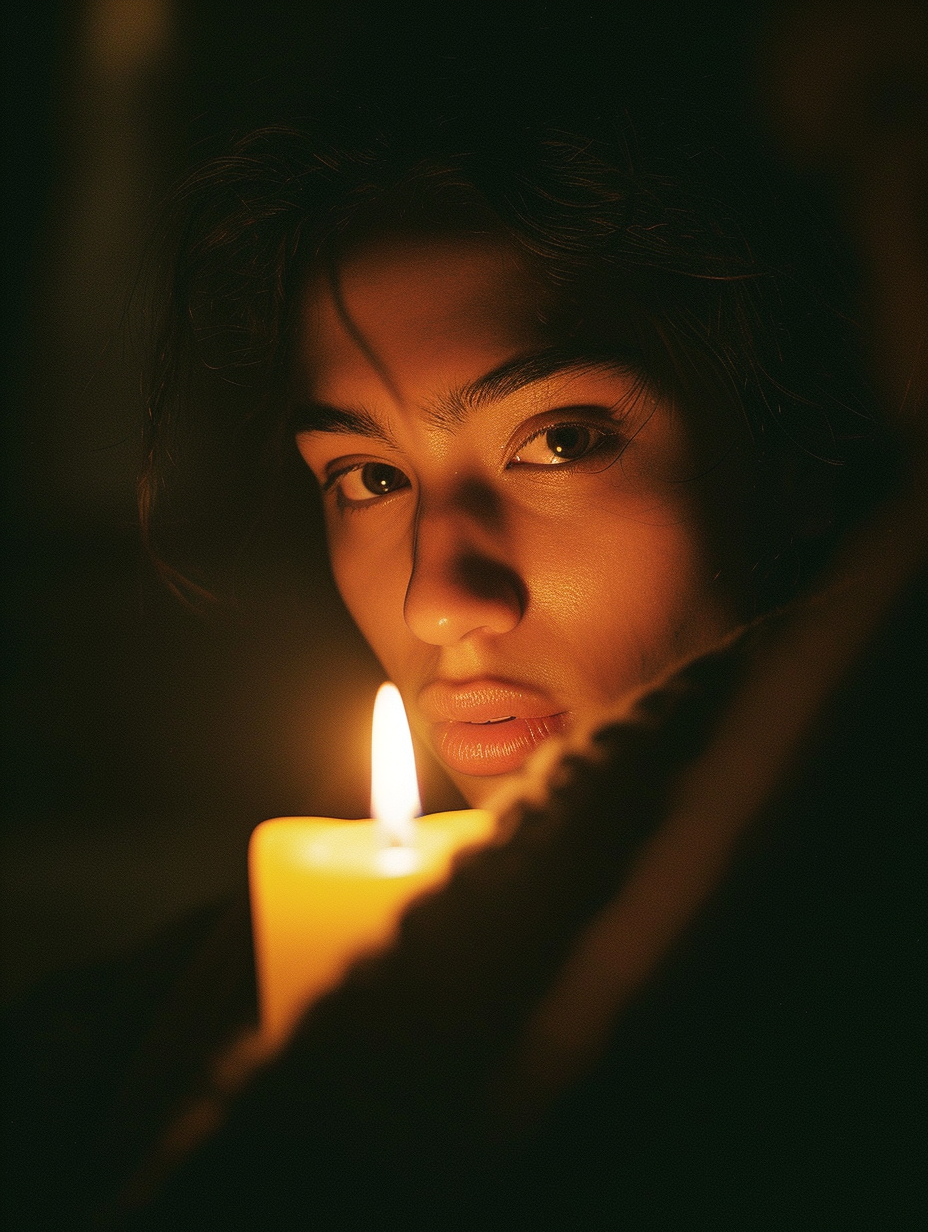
482,701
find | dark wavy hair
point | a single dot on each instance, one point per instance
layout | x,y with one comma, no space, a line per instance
660,247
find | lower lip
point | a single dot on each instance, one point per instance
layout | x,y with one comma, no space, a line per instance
493,748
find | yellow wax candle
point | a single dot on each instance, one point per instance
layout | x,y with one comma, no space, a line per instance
324,892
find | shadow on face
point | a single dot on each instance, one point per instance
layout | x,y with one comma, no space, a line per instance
520,527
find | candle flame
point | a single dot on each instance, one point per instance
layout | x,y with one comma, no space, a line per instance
394,790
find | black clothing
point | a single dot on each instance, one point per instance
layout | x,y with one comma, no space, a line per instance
767,1075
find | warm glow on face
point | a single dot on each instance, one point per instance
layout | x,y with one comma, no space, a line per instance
394,789
519,544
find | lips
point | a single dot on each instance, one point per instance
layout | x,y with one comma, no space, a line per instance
486,727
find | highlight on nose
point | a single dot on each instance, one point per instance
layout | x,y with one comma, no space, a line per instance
450,599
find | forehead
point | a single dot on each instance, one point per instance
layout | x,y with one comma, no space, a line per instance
407,313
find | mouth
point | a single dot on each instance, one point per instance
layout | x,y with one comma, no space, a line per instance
487,727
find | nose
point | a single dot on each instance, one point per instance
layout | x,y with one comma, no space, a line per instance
458,585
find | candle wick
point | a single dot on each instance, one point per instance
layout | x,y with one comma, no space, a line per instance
396,832
398,860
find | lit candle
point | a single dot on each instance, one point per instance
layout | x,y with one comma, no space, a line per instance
323,892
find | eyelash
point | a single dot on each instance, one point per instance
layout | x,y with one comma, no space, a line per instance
606,449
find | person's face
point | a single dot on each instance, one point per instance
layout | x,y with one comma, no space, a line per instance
519,538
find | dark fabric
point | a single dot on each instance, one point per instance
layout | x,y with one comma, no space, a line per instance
769,1076
774,1077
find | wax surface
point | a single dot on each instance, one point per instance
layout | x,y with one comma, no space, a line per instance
323,892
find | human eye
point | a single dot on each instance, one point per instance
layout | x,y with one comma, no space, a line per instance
364,483
583,445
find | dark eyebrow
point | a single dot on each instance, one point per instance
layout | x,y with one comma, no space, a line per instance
320,417
452,408
515,374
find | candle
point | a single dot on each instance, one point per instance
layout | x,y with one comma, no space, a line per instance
324,892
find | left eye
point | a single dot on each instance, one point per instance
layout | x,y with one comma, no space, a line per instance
569,443
361,484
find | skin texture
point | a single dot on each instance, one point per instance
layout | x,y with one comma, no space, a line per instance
516,551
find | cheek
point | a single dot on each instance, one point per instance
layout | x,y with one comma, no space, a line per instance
372,586
629,578
631,596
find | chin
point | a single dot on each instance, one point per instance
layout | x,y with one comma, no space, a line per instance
480,791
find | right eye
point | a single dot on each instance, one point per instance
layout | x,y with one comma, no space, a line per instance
365,482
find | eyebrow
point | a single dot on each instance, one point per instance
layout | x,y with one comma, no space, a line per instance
452,408
355,421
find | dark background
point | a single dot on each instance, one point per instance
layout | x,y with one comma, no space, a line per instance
142,742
